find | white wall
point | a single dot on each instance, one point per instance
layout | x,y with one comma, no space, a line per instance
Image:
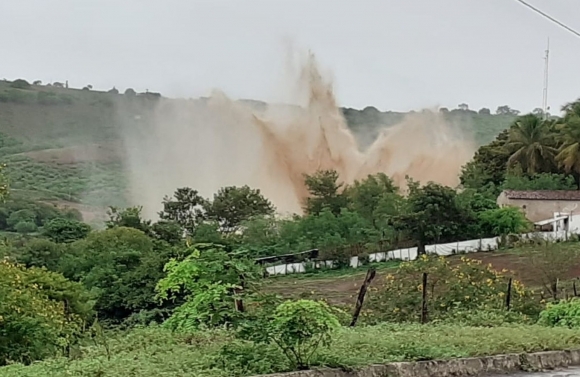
471,246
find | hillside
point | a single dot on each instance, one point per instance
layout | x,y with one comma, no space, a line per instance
63,145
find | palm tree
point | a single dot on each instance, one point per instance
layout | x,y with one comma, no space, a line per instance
569,155
571,110
531,144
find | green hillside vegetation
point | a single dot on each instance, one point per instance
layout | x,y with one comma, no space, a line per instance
61,144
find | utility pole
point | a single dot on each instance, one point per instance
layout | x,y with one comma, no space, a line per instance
545,106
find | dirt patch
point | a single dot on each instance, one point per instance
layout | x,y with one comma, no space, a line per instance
104,153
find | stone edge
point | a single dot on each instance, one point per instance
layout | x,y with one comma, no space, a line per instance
473,366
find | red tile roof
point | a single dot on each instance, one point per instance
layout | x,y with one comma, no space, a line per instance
543,195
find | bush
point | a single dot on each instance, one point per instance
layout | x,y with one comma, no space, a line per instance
21,216
298,328
565,313
41,313
64,231
486,318
17,96
20,84
120,265
211,281
39,252
467,285
25,227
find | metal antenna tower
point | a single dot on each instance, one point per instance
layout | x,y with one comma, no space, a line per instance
545,106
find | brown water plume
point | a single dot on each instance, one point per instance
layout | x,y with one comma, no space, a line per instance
208,144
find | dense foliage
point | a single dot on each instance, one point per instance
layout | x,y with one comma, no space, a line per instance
565,313
534,153
41,313
463,286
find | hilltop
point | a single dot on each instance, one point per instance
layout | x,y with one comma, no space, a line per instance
62,145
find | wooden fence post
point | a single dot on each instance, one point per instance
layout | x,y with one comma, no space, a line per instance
508,296
574,287
361,294
424,300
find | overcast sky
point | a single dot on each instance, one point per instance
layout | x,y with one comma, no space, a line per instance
391,54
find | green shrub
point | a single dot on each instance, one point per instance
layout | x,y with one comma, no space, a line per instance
25,227
64,230
212,281
39,252
21,216
20,84
467,285
121,265
41,313
565,313
298,328
18,96
486,318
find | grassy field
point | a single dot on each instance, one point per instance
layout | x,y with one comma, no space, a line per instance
152,352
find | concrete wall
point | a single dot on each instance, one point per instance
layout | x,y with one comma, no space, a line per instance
538,210
445,249
475,366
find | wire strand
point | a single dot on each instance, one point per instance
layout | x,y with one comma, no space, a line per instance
550,18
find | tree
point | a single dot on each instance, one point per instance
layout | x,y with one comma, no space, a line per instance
571,110
65,231
506,110
20,84
113,91
432,214
214,283
539,112
444,110
58,84
25,227
365,196
37,82
128,217
21,216
463,106
504,221
540,181
233,205
325,191
531,144
121,265
569,152
184,208
40,312
484,111
40,253
488,165
130,92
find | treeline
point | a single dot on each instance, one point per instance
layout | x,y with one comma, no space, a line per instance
122,264
536,152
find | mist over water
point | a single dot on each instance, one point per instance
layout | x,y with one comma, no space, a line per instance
210,143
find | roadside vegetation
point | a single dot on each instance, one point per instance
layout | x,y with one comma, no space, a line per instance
186,296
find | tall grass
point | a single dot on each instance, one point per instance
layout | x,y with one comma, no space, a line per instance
152,351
